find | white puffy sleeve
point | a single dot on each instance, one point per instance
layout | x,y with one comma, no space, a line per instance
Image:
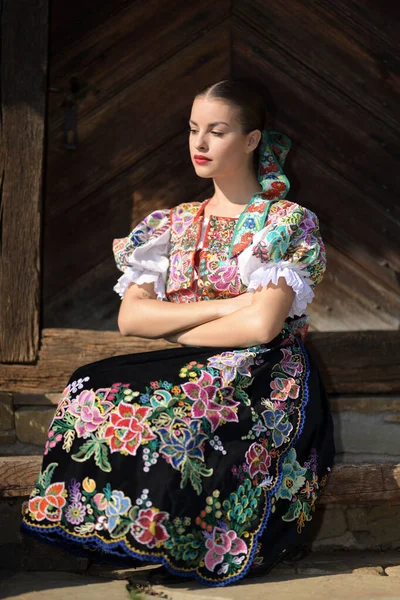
143,256
291,247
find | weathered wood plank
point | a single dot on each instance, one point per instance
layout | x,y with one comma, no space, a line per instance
70,21
329,43
18,474
349,299
330,135
24,32
356,362
355,144
89,302
363,484
348,222
360,289
64,349
136,119
367,17
104,58
350,362
348,484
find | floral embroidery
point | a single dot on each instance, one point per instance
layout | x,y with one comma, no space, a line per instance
148,528
50,504
301,486
284,388
290,233
258,460
182,217
259,428
161,399
180,266
293,476
213,400
216,275
231,363
218,236
76,385
225,278
76,510
129,428
276,420
291,363
117,505
216,443
171,426
293,235
152,226
91,410
223,543
182,442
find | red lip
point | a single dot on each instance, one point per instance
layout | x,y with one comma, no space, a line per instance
201,157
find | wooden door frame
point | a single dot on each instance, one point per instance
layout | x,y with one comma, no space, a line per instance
24,70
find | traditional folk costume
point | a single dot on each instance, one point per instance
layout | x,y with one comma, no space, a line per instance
207,460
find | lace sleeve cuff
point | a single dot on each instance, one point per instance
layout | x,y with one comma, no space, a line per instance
145,264
297,278
137,276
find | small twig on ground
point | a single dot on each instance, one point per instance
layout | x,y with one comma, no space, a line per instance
136,589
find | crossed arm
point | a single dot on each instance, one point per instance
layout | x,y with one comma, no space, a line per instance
246,320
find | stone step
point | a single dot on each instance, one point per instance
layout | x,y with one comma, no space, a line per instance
345,575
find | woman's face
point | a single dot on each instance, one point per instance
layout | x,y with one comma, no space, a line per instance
216,133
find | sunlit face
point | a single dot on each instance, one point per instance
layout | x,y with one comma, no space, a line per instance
216,133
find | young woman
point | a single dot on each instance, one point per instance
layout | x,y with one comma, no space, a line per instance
207,458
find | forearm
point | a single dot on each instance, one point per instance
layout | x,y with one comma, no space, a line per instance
152,318
258,323
239,329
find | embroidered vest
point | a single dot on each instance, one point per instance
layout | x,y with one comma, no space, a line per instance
224,243
217,272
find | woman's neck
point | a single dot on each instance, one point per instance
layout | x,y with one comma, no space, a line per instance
230,196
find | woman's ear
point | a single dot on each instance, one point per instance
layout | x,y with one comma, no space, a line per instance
253,139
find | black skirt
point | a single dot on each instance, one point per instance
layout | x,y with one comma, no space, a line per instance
207,460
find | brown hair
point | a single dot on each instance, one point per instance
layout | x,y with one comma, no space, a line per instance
247,97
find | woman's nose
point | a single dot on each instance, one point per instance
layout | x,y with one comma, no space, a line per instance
200,144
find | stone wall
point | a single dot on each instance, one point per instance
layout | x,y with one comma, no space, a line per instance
357,528
24,422
367,428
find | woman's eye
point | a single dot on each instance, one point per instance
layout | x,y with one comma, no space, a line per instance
218,133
